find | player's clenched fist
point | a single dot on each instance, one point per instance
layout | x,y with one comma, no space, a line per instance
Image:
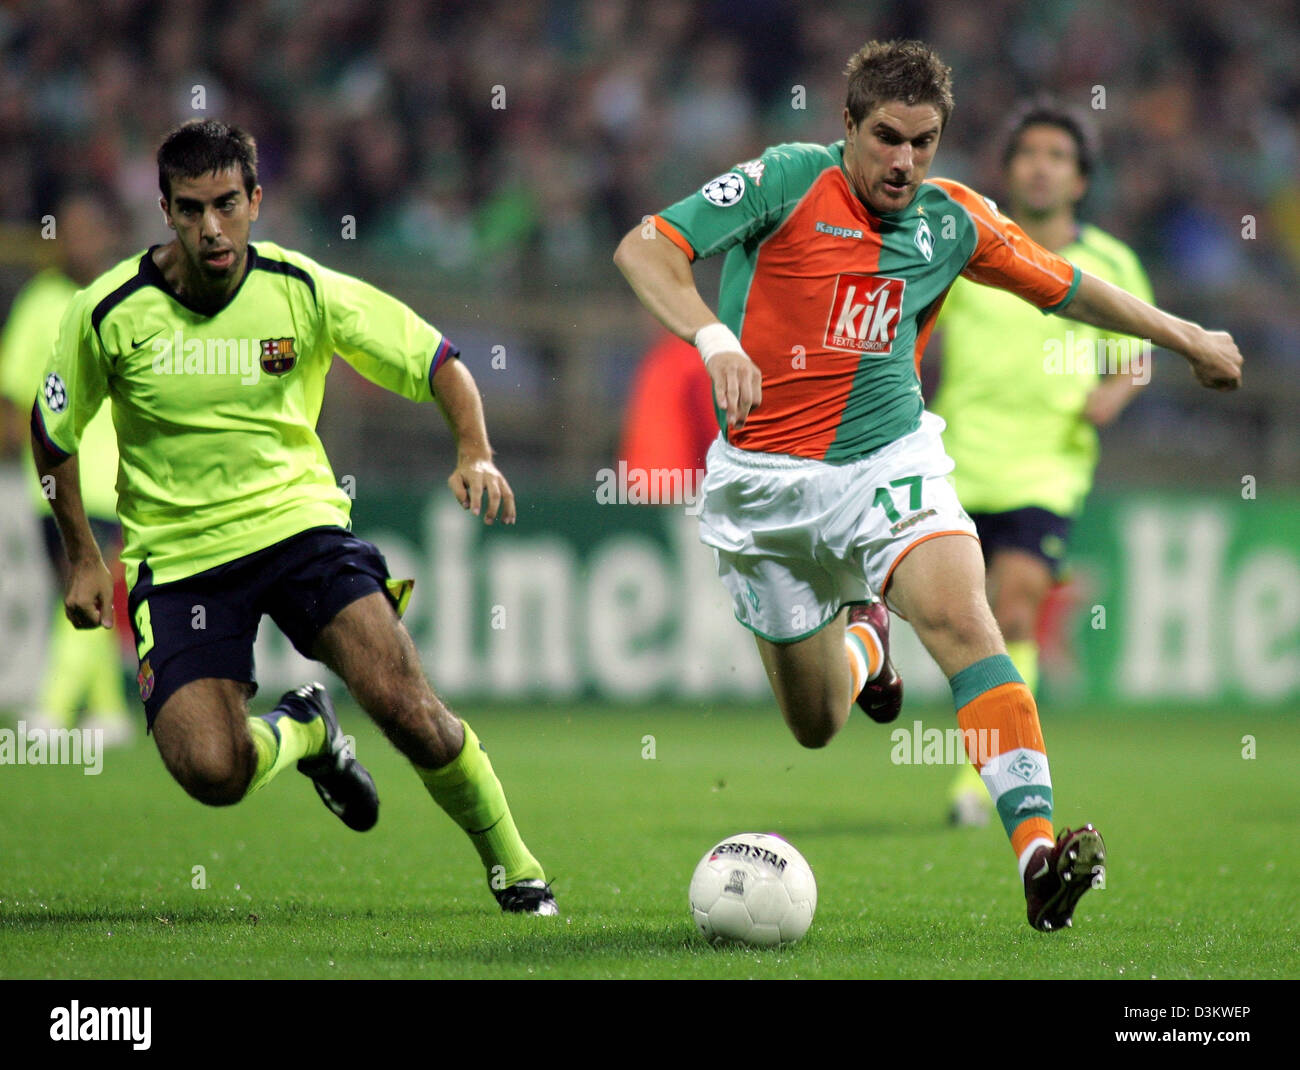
1217,361
475,477
89,601
737,385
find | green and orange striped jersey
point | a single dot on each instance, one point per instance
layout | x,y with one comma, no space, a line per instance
834,303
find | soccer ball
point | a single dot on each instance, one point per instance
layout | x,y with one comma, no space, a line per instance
753,888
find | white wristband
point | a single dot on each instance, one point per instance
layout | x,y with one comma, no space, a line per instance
714,339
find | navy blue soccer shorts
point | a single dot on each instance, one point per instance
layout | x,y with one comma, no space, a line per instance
205,625
1035,531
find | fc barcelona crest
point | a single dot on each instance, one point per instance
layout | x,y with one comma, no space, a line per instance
278,356
145,678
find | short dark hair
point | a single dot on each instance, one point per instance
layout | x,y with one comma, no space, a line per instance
909,71
204,147
1047,111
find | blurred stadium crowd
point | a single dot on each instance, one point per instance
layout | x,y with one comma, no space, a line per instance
511,143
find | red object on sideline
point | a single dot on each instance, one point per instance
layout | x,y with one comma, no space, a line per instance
669,421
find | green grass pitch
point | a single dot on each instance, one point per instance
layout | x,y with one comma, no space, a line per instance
97,873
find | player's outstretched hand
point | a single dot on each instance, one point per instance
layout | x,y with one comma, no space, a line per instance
473,477
89,601
737,386
1216,361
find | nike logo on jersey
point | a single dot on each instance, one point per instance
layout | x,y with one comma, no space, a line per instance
146,338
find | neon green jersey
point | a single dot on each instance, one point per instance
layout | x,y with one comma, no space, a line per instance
25,346
1014,384
216,414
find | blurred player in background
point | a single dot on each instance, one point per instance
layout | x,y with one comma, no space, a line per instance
669,421
83,669
214,352
829,481
1023,397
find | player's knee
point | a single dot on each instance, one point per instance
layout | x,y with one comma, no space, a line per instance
813,739
216,777
969,624
813,732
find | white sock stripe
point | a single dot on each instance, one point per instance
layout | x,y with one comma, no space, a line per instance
859,663
867,634
1001,768
1028,853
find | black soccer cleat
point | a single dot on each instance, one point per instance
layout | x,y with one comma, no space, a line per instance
1058,876
341,781
527,897
881,698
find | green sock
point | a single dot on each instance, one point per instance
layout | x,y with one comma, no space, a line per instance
280,740
107,697
1024,656
70,659
472,796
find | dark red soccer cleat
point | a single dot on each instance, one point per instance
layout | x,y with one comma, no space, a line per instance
1058,876
882,698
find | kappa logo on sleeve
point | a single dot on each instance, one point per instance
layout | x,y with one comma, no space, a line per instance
865,313
725,190
754,169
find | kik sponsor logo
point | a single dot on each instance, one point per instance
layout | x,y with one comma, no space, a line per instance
865,313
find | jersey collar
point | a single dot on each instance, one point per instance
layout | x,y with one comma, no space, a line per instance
154,277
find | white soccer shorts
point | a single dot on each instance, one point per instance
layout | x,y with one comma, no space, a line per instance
797,539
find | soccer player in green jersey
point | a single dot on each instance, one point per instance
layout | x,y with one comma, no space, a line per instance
213,352
1023,394
829,480
83,669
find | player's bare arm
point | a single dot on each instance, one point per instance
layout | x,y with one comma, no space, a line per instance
457,395
1213,355
660,275
88,601
1109,398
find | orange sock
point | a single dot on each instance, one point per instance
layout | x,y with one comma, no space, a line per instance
999,720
